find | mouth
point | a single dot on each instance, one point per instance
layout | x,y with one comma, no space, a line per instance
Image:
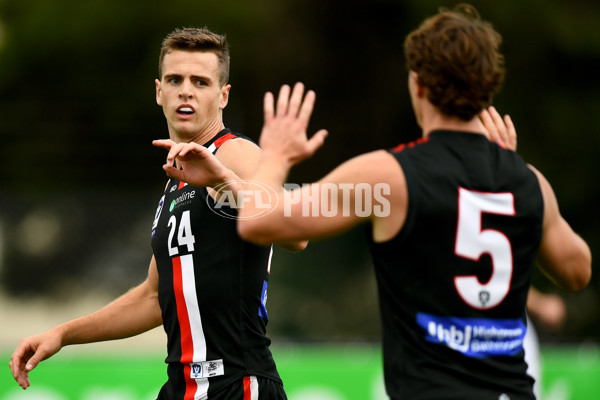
185,110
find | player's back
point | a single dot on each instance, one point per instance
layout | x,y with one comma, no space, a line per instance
453,283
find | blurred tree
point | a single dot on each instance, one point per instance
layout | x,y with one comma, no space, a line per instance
80,179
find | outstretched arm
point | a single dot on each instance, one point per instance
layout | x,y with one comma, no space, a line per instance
135,312
224,173
361,189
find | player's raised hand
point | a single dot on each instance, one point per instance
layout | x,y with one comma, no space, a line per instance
30,352
191,163
500,130
284,130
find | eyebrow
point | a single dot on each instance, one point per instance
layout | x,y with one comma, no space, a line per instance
193,77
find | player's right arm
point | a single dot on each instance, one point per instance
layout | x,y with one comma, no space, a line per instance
564,256
135,312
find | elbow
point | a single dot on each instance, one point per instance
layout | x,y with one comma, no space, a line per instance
252,231
584,277
581,275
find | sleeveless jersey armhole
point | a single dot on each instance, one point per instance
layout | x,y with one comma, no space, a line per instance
413,194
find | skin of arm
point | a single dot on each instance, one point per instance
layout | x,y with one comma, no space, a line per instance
135,312
563,255
284,144
548,309
228,169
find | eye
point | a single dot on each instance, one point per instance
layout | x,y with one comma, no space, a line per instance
174,80
201,82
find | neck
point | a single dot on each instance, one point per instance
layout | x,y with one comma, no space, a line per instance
434,120
199,137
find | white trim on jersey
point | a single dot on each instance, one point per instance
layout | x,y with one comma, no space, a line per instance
193,310
269,262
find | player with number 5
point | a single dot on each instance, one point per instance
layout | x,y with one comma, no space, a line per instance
468,219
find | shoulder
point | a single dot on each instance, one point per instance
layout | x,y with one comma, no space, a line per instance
373,167
239,154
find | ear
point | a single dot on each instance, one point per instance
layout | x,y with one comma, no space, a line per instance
224,96
158,92
414,80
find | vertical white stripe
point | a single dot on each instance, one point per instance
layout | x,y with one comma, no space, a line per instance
269,262
253,388
191,302
212,148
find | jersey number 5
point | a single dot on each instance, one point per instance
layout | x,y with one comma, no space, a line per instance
472,242
184,234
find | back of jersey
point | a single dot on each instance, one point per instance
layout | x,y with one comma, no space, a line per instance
453,283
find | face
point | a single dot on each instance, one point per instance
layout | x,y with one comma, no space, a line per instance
190,94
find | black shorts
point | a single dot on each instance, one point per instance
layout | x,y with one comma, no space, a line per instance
252,388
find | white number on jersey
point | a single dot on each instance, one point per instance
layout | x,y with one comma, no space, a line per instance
472,242
184,234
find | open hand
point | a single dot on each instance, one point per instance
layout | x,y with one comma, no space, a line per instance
284,130
500,130
191,163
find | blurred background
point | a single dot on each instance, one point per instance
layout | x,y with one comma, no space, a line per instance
80,180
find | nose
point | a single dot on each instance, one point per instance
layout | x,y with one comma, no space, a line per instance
186,91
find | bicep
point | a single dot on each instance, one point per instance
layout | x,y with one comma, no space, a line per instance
362,189
564,256
240,156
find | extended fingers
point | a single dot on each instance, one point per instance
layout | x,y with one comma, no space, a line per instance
164,143
289,102
296,99
511,132
269,106
499,123
283,101
307,107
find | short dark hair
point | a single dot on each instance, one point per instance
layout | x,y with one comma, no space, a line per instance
197,39
456,57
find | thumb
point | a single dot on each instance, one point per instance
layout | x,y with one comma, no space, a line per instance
316,141
173,172
34,360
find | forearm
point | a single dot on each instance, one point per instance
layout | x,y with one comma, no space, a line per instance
131,314
269,176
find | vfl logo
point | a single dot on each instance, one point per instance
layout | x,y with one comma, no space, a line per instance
264,198
157,215
196,371
206,369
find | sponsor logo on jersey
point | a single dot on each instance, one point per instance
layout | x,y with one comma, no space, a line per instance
474,337
183,199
